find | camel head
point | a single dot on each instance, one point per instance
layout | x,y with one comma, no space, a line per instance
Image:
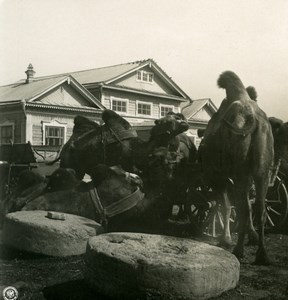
234,87
171,125
162,165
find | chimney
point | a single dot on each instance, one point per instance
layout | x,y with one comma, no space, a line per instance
30,74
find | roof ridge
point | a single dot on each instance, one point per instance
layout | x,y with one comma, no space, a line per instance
200,99
68,73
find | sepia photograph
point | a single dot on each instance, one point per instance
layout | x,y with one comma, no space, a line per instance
143,149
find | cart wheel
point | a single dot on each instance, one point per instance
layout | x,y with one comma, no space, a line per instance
208,213
276,205
214,225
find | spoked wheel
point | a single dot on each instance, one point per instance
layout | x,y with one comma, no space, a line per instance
276,205
207,212
214,225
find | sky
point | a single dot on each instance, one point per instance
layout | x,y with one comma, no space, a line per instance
193,41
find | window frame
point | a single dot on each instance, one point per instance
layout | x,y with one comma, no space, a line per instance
146,103
148,74
53,123
7,124
165,105
122,100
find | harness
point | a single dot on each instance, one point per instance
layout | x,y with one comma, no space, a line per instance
114,209
107,135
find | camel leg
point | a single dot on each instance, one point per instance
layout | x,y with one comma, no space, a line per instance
261,185
242,205
253,238
226,240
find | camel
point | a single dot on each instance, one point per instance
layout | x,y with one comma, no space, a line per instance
113,143
113,198
238,148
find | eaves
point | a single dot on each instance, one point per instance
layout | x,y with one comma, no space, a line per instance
63,108
134,91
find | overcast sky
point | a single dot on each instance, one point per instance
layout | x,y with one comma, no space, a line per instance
193,41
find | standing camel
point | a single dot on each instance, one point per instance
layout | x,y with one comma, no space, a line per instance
238,148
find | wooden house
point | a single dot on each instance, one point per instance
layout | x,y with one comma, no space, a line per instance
41,110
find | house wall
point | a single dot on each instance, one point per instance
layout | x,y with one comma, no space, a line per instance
64,95
66,119
37,125
132,98
157,86
14,115
35,132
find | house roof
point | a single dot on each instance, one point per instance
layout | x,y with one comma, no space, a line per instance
33,90
98,75
191,109
108,75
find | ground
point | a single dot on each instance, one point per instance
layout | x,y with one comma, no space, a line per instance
62,278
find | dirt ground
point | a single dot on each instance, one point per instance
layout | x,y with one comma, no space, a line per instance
62,278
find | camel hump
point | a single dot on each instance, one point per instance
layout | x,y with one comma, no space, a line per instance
252,92
240,118
83,124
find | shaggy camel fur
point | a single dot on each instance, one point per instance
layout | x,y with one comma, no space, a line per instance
238,147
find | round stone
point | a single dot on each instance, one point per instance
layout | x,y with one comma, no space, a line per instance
33,231
134,265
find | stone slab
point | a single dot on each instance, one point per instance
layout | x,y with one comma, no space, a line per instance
32,231
136,266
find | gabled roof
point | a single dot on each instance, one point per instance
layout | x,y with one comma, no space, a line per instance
108,75
196,105
98,75
30,92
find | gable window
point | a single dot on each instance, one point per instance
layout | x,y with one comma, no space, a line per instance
119,105
6,134
144,108
164,109
54,134
145,76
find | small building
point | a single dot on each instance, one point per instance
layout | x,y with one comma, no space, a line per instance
198,113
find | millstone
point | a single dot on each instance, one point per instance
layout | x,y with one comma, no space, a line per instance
134,265
32,231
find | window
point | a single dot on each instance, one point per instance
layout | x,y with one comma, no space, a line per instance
164,109
119,105
144,108
145,76
54,133
54,136
6,134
